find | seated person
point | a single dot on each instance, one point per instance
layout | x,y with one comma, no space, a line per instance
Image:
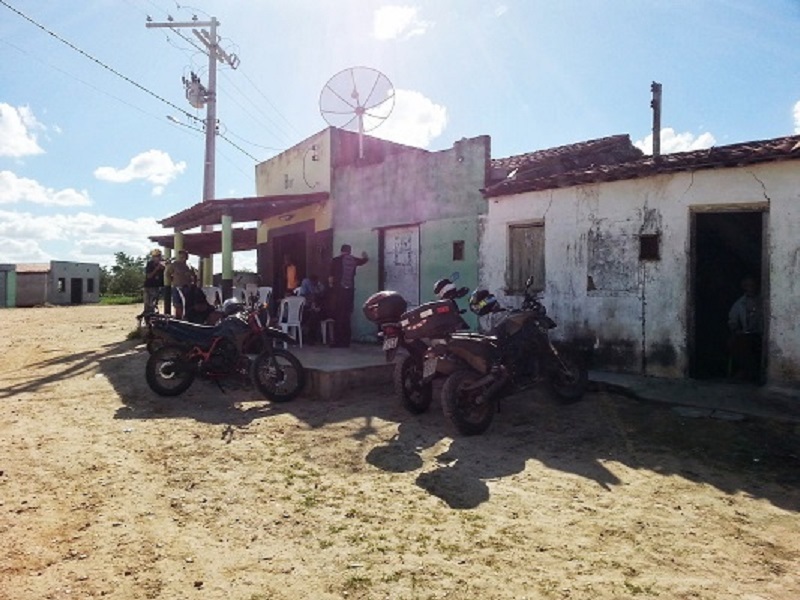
198,310
746,325
313,290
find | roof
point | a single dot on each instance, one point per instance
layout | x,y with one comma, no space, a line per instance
33,268
255,208
538,175
207,243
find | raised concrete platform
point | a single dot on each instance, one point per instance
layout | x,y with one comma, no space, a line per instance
333,371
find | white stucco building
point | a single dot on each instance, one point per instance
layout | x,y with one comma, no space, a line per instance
641,259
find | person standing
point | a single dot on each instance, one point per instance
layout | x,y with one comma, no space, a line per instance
153,281
343,274
746,323
180,275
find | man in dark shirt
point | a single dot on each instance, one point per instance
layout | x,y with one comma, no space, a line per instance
343,274
153,281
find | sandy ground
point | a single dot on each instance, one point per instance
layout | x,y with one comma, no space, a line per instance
108,491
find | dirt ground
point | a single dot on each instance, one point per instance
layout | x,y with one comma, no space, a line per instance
108,491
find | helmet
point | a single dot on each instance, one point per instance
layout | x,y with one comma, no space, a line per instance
442,287
482,302
231,306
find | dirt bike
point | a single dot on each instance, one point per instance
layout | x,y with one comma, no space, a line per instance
239,347
519,355
414,331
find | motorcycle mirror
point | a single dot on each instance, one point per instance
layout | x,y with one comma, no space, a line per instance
462,292
454,276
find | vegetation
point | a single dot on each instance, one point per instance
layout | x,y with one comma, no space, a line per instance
122,282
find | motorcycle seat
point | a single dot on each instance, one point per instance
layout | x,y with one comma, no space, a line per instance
189,332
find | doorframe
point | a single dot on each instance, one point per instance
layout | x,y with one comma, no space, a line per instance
764,284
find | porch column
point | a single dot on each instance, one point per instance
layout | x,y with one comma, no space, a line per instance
227,256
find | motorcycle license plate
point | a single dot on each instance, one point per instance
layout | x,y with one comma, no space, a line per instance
429,368
390,343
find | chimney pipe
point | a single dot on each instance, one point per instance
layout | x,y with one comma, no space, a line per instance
655,103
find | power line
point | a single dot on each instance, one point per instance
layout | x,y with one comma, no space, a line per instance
95,60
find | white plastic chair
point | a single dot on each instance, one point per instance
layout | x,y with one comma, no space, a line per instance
265,295
327,330
213,294
291,316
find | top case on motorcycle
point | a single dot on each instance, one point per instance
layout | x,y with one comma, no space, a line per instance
431,320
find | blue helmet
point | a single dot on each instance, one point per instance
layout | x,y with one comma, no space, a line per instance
482,302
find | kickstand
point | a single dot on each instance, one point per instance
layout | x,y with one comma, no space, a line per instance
219,385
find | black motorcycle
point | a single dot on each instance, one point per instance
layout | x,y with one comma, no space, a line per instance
415,331
239,347
518,355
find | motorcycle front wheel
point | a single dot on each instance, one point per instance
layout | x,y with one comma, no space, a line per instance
278,375
464,405
415,395
569,377
167,372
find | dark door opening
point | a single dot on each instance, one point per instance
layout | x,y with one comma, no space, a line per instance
726,248
293,245
76,290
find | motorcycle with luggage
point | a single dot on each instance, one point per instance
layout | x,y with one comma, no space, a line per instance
242,346
516,355
415,331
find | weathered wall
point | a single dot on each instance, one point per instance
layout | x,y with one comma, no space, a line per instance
302,169
32,289
635,312
440,191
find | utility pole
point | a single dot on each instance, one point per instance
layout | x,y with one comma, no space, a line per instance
197,95
655,104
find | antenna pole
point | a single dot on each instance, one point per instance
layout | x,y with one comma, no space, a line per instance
655,103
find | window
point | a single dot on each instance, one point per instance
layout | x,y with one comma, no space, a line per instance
62,284
525,257
90,286
458,250
649,247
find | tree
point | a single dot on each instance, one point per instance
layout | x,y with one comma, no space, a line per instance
125,278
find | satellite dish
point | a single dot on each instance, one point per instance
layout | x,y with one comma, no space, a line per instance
357,99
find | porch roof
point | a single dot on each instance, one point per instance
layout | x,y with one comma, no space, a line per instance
255,208
206,243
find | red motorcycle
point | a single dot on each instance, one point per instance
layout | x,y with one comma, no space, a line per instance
239,347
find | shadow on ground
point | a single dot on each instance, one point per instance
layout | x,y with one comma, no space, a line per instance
753,456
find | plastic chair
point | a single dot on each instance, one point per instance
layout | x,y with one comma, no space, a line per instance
213,294
291,316
326,331
265,295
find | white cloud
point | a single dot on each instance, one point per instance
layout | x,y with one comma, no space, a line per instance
396,21
84,237
18,128
15,189
797,117
415,120
500,10
153,166
676,142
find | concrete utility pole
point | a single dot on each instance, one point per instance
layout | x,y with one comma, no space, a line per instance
655,103
197,96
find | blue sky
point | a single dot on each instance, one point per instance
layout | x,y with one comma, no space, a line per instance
98,142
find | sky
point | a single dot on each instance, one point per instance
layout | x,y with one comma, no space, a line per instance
98,141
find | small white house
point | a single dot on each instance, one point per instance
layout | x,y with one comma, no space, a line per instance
642,259
57,282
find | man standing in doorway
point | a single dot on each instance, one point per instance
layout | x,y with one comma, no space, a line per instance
343,274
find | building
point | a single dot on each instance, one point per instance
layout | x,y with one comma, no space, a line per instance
642,257
58,283
8,285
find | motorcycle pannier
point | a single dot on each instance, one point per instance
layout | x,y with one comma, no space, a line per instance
384,307
431,320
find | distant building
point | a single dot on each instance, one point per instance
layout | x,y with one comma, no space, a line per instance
57,282
8,285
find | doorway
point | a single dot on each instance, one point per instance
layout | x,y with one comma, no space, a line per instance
726,248
76,290
400,259
293,245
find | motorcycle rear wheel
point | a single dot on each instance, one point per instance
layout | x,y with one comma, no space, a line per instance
467,409
569,378
278,375
415,395
167,372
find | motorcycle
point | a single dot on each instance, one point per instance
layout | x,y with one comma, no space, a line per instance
240,347
517,356
414,331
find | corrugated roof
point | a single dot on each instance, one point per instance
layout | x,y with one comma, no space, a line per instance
530,178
